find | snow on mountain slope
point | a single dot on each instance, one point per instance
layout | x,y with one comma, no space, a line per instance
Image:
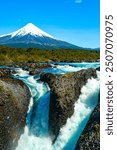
31,36
29,29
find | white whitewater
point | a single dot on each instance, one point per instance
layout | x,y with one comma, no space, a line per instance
87,101
36,136
63,68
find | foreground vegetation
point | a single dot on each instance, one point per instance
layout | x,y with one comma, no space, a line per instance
8,54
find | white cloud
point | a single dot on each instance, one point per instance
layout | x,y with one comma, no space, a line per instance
78,1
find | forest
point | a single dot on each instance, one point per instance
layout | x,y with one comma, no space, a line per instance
9,55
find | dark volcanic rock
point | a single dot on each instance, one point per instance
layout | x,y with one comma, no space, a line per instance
32,67
90,138
35,68
98,68
65,90
14,101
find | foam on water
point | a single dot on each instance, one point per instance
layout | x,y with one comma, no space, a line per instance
21,73
31,142
68,68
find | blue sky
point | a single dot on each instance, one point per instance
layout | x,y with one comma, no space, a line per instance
75,21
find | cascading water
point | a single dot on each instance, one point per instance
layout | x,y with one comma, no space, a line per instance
87,101
36,135
63,68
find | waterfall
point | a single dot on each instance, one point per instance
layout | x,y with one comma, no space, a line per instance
35,135
86,103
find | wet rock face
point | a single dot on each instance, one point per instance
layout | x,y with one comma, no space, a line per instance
90,138
14,101
65,91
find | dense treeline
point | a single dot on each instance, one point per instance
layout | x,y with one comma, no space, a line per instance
8,54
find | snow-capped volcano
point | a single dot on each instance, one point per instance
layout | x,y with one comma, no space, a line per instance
29,29
32,36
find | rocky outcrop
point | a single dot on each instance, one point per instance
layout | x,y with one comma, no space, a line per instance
14,101
36,68
90,138
6,72
33,67
65,90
